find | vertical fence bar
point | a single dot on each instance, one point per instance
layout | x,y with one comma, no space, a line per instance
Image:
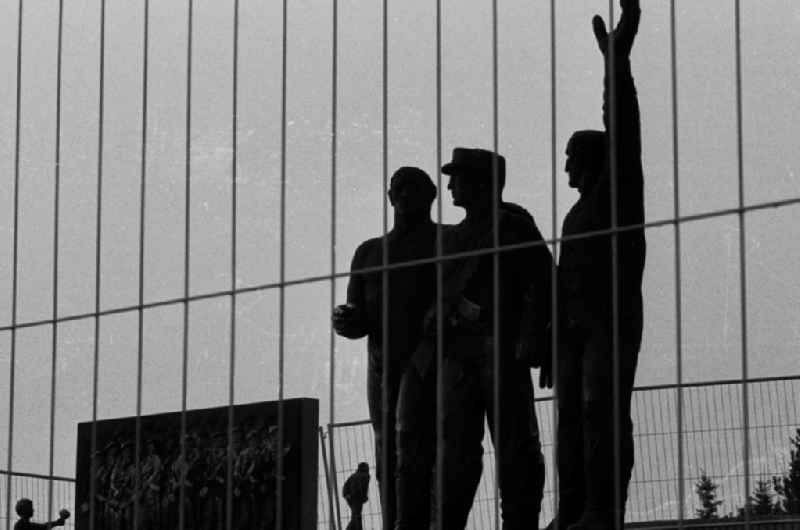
554,277
331,489
14,266
332,483
439,427
282,274
496,364
232,354
97,264
140,310
56,206
186,262
742,261
385,294
615,346
677,239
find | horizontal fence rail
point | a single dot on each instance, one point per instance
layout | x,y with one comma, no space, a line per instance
222,293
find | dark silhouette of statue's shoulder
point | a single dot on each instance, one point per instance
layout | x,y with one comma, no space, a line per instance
520,220
368,253
416,244
515,210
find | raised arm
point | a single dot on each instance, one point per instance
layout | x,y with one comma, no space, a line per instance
626,103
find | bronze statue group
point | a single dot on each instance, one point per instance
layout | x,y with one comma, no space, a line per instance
496,315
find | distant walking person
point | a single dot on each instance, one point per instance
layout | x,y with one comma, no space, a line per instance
410,293
590,268
24,510
355,492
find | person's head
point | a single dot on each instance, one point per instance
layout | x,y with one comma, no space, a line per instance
24,508
471,172
363,467
411,191
586,158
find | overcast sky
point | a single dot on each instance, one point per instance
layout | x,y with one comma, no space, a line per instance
707,165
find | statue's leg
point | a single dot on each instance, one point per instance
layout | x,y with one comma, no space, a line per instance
416,448
570,432
603,463
521,465
384,437
606,498
464,411
630,344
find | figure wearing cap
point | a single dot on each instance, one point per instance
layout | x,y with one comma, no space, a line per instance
587,280
469,354
410,294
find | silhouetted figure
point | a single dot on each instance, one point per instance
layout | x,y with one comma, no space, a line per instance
410,294
355,491
468,359
585,384
24,509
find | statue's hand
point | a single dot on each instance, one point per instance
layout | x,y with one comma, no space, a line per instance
64,513
344,317
600,33
536,352
624,33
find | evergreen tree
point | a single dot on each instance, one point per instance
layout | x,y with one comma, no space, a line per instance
788,486
706,491
761,500
779,506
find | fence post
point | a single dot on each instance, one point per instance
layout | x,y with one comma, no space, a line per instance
331,492
334,483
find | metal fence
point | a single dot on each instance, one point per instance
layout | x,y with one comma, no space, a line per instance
721,427
712,437
712,446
